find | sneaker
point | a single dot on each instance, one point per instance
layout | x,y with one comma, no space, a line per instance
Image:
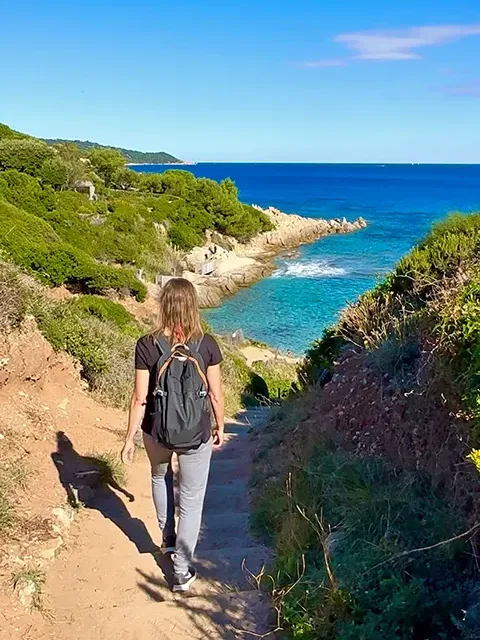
169,543
182,583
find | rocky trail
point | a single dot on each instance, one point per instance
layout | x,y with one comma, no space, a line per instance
112,581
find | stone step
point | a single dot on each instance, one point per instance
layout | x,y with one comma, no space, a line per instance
225,529
235,449
226,497
233,566
225,617
218,571
229,470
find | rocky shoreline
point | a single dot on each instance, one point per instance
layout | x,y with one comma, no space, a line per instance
221,267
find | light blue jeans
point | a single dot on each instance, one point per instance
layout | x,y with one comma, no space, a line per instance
194,466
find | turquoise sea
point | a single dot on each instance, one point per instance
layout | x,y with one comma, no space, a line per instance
305,294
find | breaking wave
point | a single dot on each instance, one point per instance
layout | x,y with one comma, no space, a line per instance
320,269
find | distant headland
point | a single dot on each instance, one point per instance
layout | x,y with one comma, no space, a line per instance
132,157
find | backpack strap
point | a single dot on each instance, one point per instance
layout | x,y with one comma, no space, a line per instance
164,360
197,359
195,344
163,344
194,347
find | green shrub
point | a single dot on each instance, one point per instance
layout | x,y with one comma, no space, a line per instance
320,356
23,235
101,278
61,264
106,162
208,204
32,244
54,172
279,377
105,352
108,311
452,242
25,155
71,155
247,386
350,519
25,192
124,178
237,379
183,236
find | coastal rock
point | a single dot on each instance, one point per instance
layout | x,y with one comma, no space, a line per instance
223,265
292,230
86,186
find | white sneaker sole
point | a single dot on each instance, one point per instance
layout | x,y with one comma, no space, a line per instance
182,588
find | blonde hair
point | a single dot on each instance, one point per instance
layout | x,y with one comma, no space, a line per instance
178,312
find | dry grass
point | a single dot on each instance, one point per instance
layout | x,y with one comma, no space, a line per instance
12,298
110,468
13,476
34,580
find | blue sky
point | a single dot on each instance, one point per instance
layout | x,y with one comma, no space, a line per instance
309,80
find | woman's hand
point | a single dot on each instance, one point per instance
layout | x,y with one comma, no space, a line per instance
215,391
137,410
128,451
218,439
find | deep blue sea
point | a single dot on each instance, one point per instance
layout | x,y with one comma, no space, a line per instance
305,294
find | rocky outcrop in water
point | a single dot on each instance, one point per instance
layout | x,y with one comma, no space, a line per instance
223,265
292,230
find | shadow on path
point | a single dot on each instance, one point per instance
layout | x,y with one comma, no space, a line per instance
87,481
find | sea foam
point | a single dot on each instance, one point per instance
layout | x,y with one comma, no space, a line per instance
319,269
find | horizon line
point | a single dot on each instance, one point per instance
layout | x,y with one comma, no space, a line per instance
375,164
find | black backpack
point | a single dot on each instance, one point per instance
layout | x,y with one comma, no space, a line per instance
180,396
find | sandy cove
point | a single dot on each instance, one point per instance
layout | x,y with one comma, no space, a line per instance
237,265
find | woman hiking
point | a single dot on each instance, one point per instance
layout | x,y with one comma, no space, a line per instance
177,379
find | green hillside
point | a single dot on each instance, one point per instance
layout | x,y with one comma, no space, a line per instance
137,221
134,157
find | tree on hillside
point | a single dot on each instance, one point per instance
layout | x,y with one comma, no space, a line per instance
54,172
125,179
152,182
68,151
230,187
178,183
26,155
106,162
71,157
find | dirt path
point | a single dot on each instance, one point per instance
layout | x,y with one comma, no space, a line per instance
112,582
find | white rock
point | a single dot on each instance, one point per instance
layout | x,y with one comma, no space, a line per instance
63,404
51,552
63,515
26,592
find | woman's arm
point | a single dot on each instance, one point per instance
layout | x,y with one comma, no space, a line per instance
215,391
137,409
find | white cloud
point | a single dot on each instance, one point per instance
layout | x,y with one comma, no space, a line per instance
402,44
